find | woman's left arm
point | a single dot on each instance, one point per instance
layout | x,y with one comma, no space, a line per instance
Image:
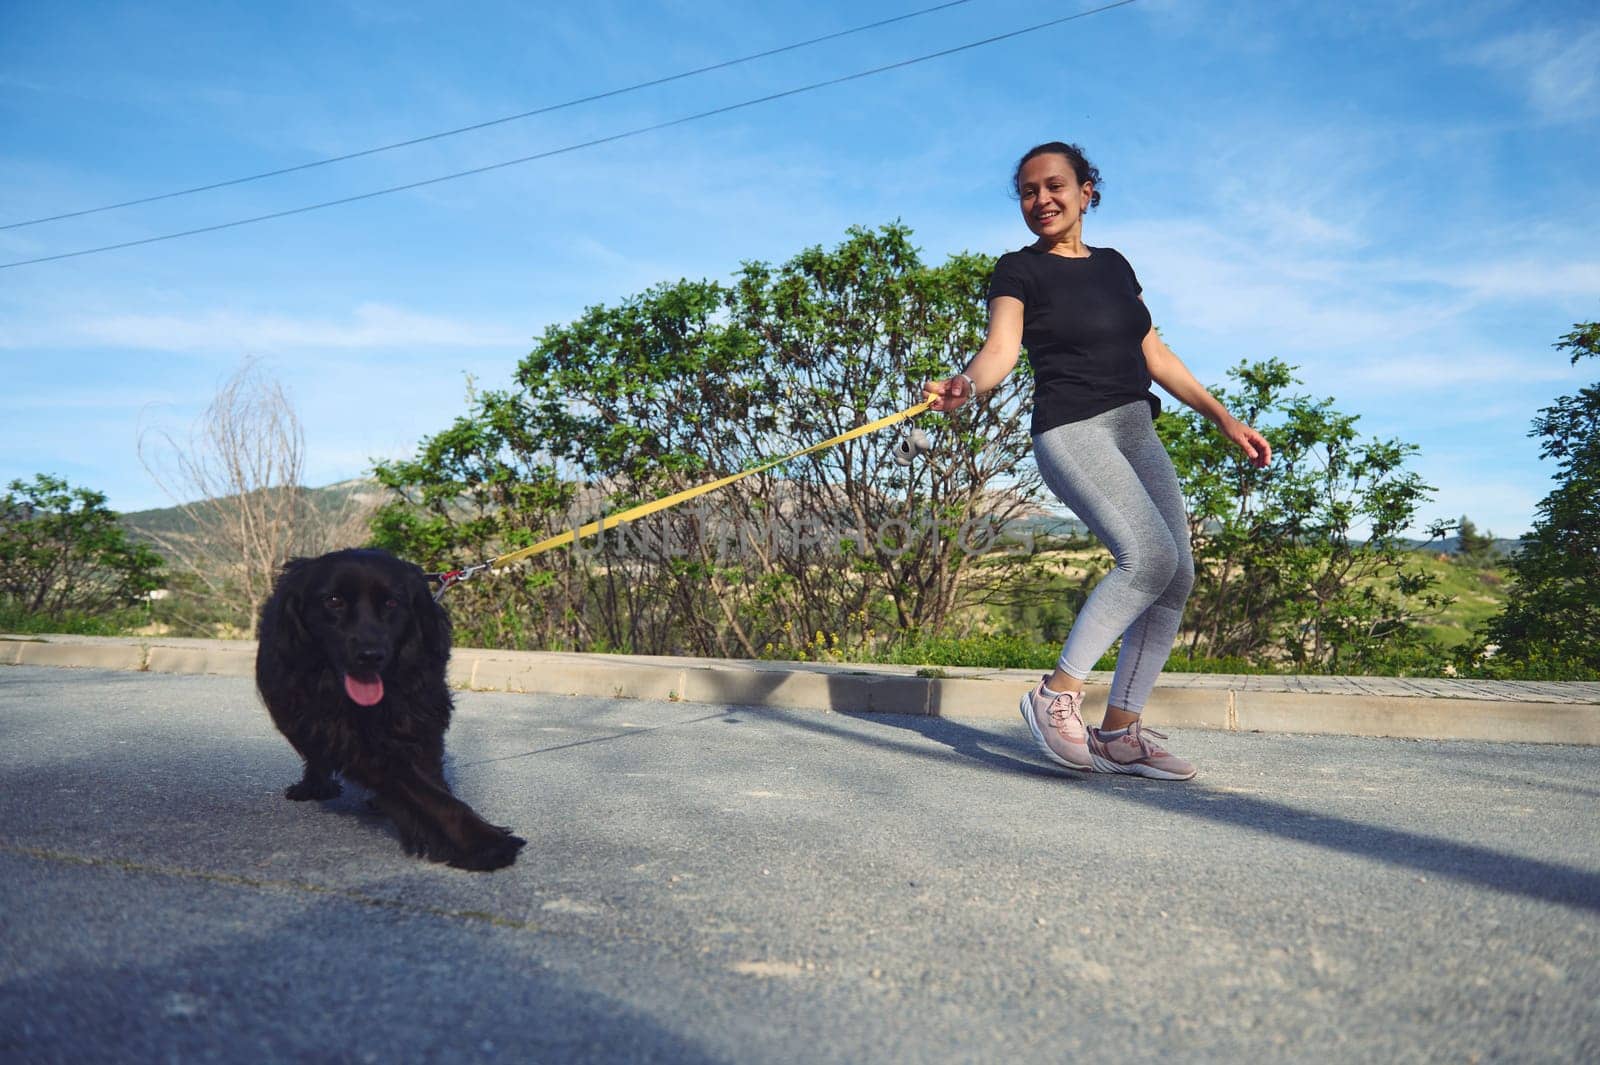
1170,373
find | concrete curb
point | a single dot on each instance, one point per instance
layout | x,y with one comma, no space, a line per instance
1568,714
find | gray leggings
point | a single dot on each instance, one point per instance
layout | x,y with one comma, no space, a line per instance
1115,475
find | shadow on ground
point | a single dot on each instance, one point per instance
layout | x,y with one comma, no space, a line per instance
289,976
1541,880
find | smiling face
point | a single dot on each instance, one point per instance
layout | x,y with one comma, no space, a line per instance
1051,197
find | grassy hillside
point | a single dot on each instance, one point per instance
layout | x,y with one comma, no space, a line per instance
1479,594
330,500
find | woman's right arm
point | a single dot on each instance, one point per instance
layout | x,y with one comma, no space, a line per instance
993,361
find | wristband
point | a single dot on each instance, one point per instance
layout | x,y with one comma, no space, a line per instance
972,388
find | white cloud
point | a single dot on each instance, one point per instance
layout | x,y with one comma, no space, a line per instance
1452,370
1211,279
1558,72
370,325
1297,292
1522,277
1502,505
85,401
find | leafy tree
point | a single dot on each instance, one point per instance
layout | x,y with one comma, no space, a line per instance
1551,621
1472,546
62,552
847,332
695,380
1302,562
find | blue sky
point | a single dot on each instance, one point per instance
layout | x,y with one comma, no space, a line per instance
1399,198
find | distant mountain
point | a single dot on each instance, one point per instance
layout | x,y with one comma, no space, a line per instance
149,525
1451,545
1050,525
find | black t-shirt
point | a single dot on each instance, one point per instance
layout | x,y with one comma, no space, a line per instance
1084,325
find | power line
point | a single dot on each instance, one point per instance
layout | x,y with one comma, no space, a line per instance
491,122
579,146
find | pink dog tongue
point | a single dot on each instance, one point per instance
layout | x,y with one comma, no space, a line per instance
364,692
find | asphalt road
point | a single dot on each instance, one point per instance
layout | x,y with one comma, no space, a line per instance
717,884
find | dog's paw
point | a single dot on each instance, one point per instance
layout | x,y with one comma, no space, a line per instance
494,853
305,790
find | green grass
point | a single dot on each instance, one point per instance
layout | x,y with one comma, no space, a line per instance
1479,594
15,619
993,651
1004,651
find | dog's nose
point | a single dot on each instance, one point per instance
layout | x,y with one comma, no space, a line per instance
370,659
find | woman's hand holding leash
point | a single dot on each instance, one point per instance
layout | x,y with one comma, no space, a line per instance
950,393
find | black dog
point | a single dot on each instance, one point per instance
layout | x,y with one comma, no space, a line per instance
351,665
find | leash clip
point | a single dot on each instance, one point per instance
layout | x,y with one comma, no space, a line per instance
450,578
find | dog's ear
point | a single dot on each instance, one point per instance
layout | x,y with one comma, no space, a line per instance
432,623
283,623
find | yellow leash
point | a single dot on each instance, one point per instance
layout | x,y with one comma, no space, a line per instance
657,505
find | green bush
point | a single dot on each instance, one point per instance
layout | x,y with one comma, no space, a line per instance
1537,664
994,651
1550,623
694,380
15,618
63,554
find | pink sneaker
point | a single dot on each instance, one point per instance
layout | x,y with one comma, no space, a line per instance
1134,753
1057,726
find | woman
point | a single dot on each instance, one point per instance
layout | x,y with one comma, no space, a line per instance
1080,313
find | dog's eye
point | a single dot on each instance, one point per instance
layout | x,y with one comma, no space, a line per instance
333,602
391,603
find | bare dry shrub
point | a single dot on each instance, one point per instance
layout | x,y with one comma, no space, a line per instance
237,482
